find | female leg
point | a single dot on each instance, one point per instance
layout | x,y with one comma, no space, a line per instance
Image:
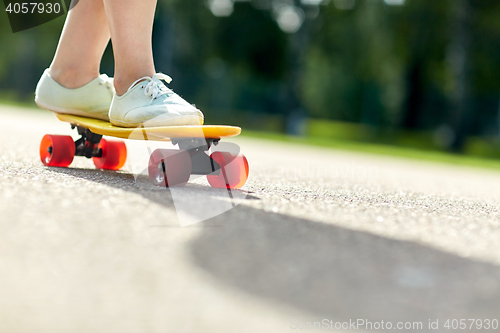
72,84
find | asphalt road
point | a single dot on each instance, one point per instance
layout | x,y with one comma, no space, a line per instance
315,234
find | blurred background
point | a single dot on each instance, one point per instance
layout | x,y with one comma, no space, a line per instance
421,74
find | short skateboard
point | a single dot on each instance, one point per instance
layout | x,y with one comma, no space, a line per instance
166,167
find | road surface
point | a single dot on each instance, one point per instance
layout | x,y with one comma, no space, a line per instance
315,234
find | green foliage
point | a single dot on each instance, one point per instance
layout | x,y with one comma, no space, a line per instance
24,56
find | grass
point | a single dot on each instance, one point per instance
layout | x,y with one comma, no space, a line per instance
381,149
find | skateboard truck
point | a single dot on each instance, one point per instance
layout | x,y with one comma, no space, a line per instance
88,144
201,163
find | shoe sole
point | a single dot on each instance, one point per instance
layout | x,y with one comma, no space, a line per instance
180,121
70,111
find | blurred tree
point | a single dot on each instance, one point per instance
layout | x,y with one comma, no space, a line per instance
24,56
459,58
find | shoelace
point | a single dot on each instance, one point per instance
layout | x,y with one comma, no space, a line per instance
105,80
155,88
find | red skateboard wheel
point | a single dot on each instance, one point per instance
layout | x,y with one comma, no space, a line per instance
57,150
233,172
169,167
114,155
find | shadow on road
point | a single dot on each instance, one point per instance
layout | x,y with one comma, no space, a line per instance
327,270
345,274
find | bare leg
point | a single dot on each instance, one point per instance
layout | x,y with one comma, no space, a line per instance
85,36
131,26
81,46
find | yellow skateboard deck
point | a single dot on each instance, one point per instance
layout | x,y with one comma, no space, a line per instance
161,133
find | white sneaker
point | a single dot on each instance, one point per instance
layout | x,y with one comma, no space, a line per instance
150,103
92,100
